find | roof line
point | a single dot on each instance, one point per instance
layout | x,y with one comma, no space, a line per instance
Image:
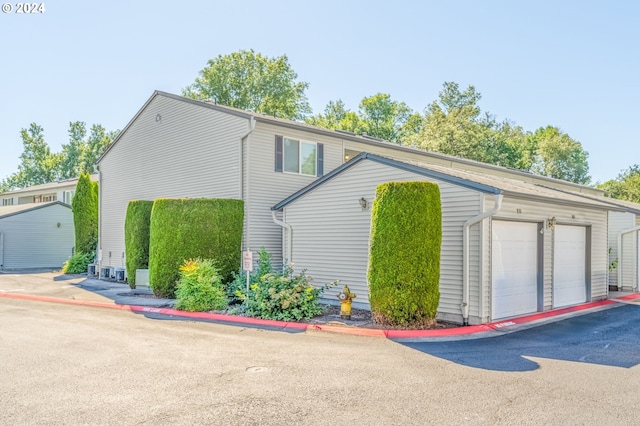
393,163
605,200
332,133
37,207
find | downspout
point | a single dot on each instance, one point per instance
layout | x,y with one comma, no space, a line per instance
244,193
465,254
1,251
289,232
626,231
98,260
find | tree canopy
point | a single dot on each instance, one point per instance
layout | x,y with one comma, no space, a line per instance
626,186
254,82
39,165
377,116
455,125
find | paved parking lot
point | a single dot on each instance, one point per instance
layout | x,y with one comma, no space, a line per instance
607,337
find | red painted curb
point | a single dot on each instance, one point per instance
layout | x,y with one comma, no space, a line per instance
356,331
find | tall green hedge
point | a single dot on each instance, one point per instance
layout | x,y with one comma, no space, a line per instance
136,237
85,214
404,254
184,229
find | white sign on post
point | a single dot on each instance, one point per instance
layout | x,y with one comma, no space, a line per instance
247,265
247,260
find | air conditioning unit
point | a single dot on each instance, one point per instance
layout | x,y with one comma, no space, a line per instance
119,274
91,270
105,272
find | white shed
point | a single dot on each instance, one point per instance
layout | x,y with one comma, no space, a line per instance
36,235
509,248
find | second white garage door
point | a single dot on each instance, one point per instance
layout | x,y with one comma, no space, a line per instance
514,268
569,265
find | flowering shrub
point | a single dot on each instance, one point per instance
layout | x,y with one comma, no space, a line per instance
200,287
285,296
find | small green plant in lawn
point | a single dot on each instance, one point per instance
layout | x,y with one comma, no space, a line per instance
237,289
285,296
200,287
77,263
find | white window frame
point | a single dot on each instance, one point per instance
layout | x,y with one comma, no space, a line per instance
300,161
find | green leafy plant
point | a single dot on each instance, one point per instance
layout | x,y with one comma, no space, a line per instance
237,289
404,254
285,296
77,264
200,287
614,263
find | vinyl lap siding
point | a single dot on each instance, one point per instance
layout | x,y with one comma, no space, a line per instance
331,231
266,187
173,149
33,239
618,222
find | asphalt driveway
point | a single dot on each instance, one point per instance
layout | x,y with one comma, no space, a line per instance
608,337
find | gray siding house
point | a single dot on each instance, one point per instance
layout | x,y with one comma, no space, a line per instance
36,235
177,147
509,248
62,190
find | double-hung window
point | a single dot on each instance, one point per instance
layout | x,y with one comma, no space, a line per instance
298,156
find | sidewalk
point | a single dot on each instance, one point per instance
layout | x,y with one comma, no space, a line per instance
79,290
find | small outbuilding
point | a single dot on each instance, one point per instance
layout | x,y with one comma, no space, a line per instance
36,235
509,247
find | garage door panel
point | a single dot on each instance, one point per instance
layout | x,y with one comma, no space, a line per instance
569,265
514,268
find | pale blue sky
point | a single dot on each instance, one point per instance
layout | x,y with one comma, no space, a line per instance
571,64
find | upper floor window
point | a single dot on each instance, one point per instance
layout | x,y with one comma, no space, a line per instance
296,156
7,201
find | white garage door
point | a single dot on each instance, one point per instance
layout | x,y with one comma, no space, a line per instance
514,268
569,265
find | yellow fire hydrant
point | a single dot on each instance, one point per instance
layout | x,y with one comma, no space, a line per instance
345,297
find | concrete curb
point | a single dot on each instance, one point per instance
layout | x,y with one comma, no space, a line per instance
474,331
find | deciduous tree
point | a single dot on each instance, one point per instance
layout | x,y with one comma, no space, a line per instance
626,186
251,81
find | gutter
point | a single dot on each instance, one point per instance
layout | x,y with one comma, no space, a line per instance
465,253
289,230
626,231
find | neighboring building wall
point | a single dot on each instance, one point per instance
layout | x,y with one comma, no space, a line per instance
173,149
33,239
618,222
331,232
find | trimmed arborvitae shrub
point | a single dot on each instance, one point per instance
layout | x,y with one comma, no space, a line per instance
136,237
404,254
85,214
189,229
